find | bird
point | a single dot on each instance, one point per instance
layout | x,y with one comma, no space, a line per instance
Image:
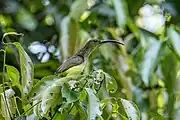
82,55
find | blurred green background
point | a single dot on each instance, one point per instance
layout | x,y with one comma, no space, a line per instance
146,68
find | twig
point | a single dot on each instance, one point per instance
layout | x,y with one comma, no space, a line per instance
29,109
3,81
56,111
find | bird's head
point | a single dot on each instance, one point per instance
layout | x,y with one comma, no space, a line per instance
92,44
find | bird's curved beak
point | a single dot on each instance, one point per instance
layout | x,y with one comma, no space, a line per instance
112,41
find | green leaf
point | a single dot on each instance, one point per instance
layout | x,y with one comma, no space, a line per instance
50,98
13,74
83,95
60,116
65,36
26,19
169,71
115,108
121,12
104,102
81,111
71,96
133,28
63,80
131,109
1,117
150,59
48,89
27,69
41,86
78,8
156,116
93,105
111,84
175,39
69,32
170,67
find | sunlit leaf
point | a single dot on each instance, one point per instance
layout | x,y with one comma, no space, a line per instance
69,34
41,86
37,108
131,109
27,69
65,35
13,74
8,104
160,101
31,117
26,108
50,98
121,12
93,106
48,89
5,21
150,59
26,19
115,108
78,8
175,38
76,70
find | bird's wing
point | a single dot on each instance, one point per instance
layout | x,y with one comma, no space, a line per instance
72,61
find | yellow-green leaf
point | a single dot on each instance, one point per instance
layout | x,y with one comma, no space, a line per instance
13,74
27,69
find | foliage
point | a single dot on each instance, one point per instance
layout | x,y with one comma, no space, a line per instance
136,81
71,95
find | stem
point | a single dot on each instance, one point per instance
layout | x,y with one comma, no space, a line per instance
71,108
172,49
29,109
56,111
16,105
10,33
109,116
3,81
